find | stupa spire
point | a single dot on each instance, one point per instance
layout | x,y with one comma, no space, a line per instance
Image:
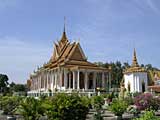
134,61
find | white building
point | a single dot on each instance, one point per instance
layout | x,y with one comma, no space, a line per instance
135,77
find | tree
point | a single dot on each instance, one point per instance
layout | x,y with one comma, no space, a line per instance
125,65
3,83
19,88
148,67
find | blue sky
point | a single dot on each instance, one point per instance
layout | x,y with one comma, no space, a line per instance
108,30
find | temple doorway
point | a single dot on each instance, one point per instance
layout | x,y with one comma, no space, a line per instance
143,86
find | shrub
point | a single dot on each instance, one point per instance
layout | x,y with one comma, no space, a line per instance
135,94
147,101
97,102
148,115
31,109
129,100
68,107
9,103
118,107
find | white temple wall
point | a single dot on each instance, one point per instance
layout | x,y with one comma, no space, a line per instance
135,80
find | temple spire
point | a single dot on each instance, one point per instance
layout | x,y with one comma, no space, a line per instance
64,36
64,25
134,61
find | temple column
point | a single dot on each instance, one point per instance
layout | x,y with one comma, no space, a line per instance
47,80
38,82
94,80
60,78
110,85
55,80
65,79
52,80
40,76
73,79
33,83
103,80
86,80
70,80
78,78
44,80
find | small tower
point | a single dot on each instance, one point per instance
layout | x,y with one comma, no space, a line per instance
135,77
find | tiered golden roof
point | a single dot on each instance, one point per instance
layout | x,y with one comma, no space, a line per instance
69,55
135,66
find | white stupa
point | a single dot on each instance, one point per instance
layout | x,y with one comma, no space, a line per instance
135,77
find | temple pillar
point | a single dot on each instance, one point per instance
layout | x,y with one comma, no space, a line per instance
65,79
86,80
78,78
94,80
110,85
52,80
36,82
47,81
33,83
40,81
73,79
70,80
55,80
103,80
60,78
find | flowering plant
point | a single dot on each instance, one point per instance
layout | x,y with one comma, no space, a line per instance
143,101
147,101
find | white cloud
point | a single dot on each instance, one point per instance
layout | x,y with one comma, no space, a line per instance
18,57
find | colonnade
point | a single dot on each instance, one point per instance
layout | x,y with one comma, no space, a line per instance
64,79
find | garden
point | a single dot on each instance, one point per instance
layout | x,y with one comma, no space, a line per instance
137,106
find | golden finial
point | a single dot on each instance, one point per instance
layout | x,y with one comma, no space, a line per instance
134,62
64,24
64,36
